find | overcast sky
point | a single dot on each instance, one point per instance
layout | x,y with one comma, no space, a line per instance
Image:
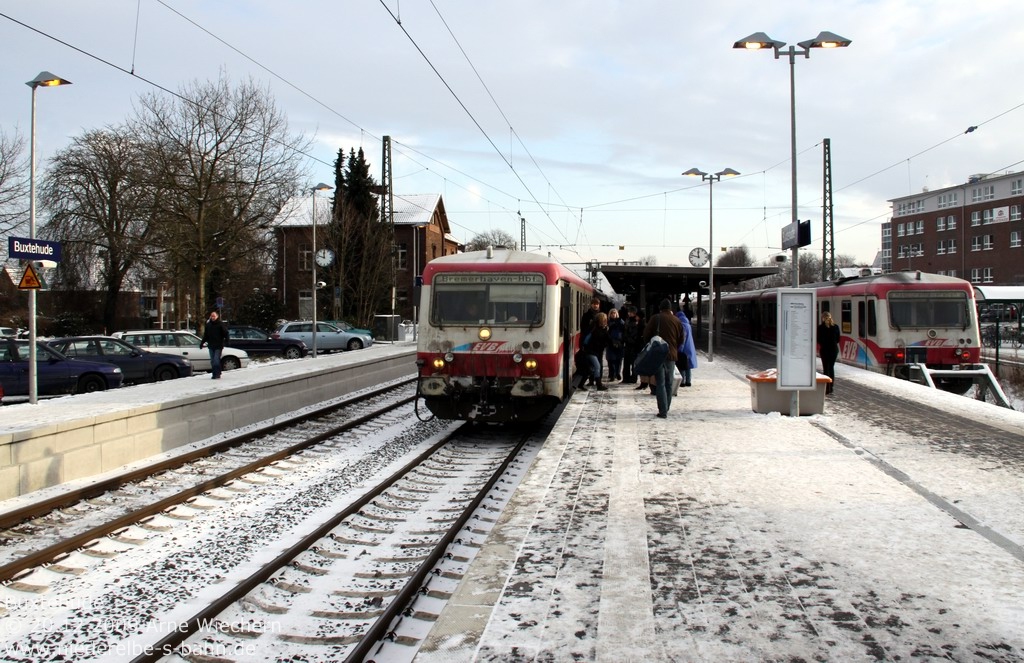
580,116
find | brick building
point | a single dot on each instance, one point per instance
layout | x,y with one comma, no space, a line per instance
422,233
971,231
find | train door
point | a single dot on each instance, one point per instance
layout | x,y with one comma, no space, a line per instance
566,325
859,322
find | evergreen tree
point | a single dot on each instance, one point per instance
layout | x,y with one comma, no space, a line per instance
362,242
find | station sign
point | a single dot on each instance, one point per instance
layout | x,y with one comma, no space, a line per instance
796,234
33,249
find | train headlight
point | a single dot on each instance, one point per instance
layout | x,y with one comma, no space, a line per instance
517,358
449,357
531,364
438,364
484,334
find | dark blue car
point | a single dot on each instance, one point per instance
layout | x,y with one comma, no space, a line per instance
55,373
137,364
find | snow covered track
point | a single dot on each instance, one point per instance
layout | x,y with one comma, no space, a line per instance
45,531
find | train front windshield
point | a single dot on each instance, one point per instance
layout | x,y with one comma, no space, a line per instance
939,308
487,298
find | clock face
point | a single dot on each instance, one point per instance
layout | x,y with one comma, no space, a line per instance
325,257
699,257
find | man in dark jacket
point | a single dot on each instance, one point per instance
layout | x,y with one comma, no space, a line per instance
631,344
668,327
215,335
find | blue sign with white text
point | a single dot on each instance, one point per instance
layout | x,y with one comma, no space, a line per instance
33,249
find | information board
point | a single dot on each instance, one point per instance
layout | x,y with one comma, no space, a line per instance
796,330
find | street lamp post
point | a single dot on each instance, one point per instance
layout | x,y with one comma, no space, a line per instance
760,40
312,264
711,179
44,79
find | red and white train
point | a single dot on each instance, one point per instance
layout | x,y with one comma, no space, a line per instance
497,333
887,322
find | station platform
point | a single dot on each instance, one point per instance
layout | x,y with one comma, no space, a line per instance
719,534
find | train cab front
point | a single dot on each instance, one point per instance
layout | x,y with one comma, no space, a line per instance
483,381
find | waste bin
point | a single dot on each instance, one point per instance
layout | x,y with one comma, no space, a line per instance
385,327
766,397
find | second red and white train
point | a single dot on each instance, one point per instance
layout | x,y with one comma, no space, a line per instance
887,322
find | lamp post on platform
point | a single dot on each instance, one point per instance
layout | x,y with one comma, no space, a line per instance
312,263
711,179
760,40
44,79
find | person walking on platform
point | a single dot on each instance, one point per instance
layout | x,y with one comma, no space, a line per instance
828,348
631,344
687,350
595,342
668,327
215,336
616,341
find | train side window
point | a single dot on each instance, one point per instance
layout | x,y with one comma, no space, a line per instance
861,319
872,318
846,316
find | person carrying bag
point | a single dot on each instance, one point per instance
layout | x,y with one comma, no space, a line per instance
664,333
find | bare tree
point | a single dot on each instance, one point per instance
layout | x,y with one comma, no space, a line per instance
225,164
498,239
13,182
100,210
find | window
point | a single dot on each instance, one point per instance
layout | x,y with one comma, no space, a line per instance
976,195
1015,239
926,309
940,224
986,242
402,256
1014,212
467,299
305,257
950,222
988,192
1017,187
899,230
941,248
986,275
986,217
920,227
975,218
976,243
950,246
948,199
975,275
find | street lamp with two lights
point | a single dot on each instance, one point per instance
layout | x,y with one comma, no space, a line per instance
711,179
759,41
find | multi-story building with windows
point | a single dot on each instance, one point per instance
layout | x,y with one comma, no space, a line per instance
972,231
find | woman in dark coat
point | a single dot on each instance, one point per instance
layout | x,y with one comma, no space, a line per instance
828,344
595,342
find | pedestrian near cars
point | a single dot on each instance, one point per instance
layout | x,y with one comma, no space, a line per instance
828,348
616,345
687,350
215,337
667,326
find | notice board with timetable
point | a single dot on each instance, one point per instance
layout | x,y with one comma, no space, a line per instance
796,329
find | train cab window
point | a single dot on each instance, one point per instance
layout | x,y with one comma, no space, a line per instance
926,309
502,299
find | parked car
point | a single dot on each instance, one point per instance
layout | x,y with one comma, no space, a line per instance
55,373
8,331
258,342
346,327
137,364
183,344
328,337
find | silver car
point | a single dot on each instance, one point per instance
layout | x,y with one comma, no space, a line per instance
328,337
183,344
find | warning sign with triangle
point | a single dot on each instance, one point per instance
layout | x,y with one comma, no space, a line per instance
30,281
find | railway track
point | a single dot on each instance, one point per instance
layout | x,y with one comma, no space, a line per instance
177,562
45,531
